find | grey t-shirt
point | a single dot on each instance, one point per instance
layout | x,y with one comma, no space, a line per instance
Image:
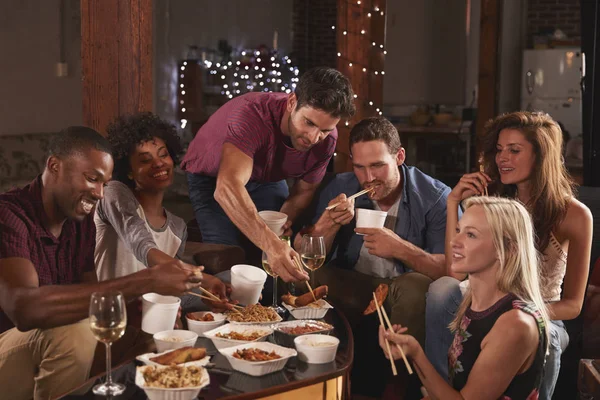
124,236
377,266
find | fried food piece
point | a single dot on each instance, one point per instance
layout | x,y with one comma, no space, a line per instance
306,298
381,294
180,356
208,317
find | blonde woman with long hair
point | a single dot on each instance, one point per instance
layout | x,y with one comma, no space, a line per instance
522,159
501,325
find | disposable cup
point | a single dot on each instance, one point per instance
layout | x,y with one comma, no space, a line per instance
274,220
247,283
370,218
159,312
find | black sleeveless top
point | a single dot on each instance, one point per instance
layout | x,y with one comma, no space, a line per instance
467,345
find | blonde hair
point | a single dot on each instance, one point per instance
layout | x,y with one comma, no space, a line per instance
513,237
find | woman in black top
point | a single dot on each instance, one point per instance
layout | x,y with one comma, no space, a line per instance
500,328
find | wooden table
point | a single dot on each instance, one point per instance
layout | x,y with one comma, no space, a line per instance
298,380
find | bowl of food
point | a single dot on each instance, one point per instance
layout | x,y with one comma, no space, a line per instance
172,382
316,349
286,332
254,314
203,321
174,339
258,359
233,335
305,306
184,357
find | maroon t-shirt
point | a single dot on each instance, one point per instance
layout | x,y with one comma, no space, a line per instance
251,123
58,261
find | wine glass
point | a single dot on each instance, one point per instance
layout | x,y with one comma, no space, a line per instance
312,253
108,319
269,270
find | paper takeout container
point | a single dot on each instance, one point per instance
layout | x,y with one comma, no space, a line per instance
309,312
221,343
259,368
187,393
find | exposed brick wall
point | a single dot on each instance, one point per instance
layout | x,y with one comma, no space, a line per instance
546,15
314,42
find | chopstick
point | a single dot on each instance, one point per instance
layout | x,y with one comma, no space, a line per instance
299,265
387,342
212,297
410,371
482,170
331,207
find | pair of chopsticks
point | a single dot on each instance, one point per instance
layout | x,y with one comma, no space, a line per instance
331,207
481,169
380,311
210,296
299,265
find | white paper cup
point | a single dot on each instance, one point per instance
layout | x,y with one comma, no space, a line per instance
370,218
159,312
274,220
316,349
247,283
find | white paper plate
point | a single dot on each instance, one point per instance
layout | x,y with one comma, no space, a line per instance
145,358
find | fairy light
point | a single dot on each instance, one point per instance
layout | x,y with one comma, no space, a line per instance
370,13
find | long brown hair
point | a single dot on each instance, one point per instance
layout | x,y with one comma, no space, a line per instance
551,185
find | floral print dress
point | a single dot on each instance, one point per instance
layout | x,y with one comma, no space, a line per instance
466,347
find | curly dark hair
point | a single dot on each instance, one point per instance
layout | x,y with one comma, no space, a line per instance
127,131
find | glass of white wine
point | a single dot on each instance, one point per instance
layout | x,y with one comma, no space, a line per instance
108,319
265,263
312,253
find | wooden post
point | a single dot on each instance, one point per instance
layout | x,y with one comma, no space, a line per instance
361,58
116,52
487,104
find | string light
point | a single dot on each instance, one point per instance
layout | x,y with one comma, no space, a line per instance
375,46
253,72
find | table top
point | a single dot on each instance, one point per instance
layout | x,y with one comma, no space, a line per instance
229,384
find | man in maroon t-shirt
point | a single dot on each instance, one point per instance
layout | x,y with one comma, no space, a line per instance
47,274
238,162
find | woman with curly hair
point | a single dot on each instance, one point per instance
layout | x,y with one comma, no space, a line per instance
133,229
501,325
522,159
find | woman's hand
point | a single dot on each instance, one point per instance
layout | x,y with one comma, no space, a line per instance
409,344
470,185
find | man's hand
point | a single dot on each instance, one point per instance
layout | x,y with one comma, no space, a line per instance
281,259
287,228
381,242
343,213
175,278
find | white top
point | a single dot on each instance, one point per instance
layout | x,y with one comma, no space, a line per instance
124,236
377,266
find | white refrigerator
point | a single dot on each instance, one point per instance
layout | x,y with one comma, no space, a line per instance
551,83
